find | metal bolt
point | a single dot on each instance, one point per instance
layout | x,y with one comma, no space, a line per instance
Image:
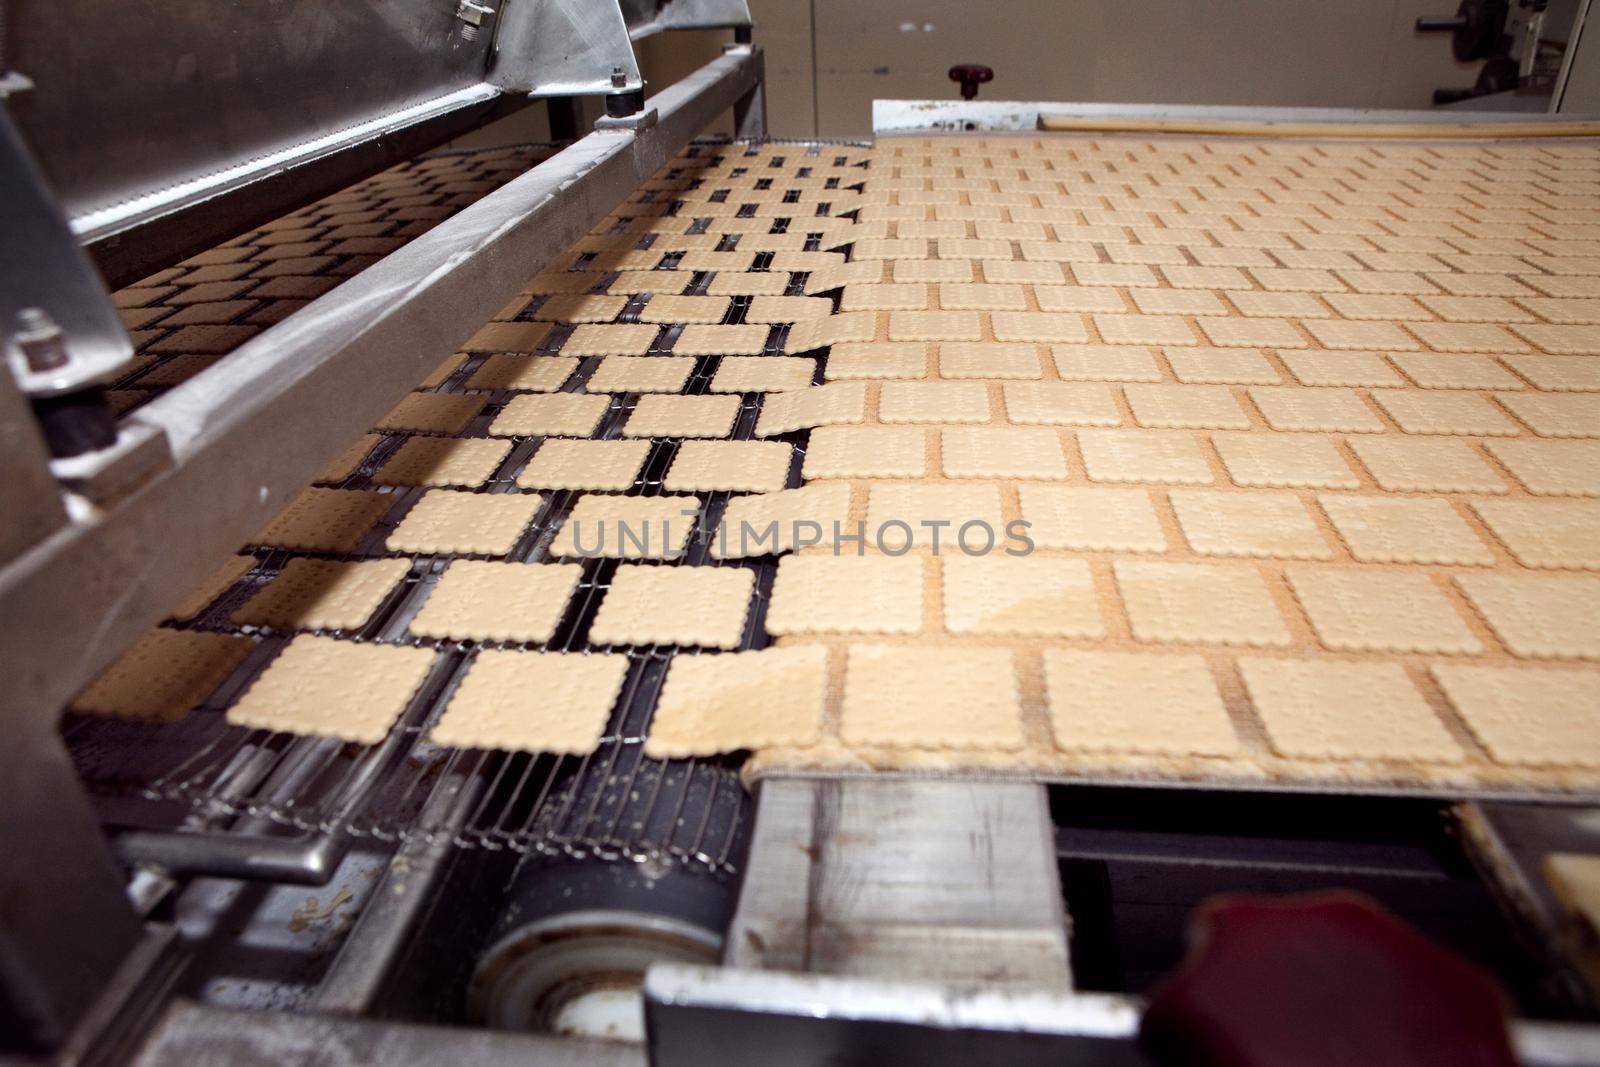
618,78
39,340
472,15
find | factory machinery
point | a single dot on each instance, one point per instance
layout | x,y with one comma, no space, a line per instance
207,891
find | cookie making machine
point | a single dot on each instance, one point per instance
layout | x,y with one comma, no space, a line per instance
303,902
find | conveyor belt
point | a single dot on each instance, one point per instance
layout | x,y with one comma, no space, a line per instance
609,802
1258,349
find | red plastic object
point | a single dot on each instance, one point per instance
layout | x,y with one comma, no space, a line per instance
970,75
1322,980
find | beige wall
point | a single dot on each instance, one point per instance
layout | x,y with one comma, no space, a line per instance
828,59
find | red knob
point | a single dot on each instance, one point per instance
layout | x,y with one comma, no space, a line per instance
970,75
1322,980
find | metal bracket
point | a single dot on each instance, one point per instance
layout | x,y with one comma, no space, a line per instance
47,282
564,48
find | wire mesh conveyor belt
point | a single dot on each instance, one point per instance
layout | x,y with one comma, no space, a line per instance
612,802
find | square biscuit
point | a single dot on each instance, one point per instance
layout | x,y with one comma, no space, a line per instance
695,606
988,360
928,271
749,283
1466,337
1222,366
526,374
330,688
1175,407
922,514
877,359
1078,299
1002,452
447,521
1366,336
1558,374
483,601
769,523
1252,524
1560,415
1144,330
732,466
1531,716
933,402
641,374
1539,616
1148,456
532,702
660,415
1363,369
811,334
1353,609
1061,403
748,339
866,452
610,339
1091,519
981,296
580,308
325,520
1105,363
584,465
846,594
1276,461
444,461
433,412
1322,410
1402,530
1032,596
318,594
874,296
1409,465
1177,302
1422,412
951,697
1434,371
762,374
770,309
215,584
349,461
554,415
1321,709
738,701
1135,702
627,527
163,676
1551,468
664,308
1558,340
935,326
1199,602
836,403
1040,326
508,337
1546,534
1252,333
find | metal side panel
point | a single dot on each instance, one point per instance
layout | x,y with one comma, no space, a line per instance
563,48
131,100
903,879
